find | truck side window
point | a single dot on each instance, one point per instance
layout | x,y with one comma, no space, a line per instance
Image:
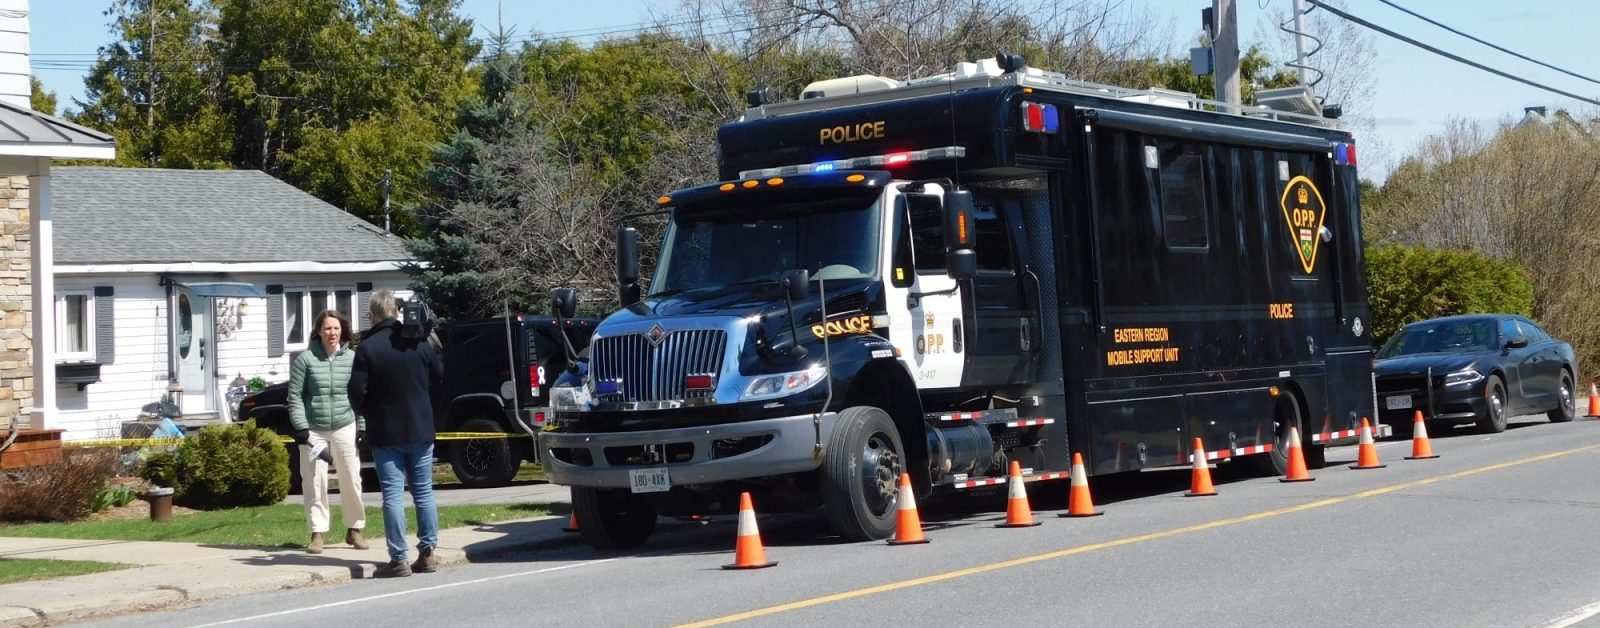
993,243
927,231
1184,199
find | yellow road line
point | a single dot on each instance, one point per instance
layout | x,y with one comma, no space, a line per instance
1081,549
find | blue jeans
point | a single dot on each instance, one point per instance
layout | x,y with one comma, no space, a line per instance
402,468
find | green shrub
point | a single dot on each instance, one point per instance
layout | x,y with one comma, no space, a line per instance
223,466
160,468
1409,284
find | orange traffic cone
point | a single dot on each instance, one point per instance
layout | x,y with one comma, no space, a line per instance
1367,453
1421,449
1200,478
572,523
1079,502
747,553
1297,460
1594,403
908,527
1018,513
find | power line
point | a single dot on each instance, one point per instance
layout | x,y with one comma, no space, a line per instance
1489,44
1360,22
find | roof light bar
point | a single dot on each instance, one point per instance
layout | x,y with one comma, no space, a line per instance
859,163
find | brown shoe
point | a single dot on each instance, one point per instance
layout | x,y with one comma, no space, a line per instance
427,562
315,546
354,538
394,569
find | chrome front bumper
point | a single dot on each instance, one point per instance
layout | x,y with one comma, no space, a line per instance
791,449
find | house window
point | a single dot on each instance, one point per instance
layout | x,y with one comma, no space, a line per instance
301,306
75,321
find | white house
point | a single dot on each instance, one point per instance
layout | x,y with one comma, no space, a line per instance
243,259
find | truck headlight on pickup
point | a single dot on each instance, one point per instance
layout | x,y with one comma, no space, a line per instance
768,386
1463,378
569,398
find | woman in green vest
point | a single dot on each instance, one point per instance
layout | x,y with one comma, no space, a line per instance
324,420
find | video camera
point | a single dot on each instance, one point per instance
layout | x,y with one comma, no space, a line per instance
416,319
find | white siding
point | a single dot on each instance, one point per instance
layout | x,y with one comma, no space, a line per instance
14,70
139,373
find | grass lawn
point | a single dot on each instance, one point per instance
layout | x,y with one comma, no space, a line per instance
20,569
267,526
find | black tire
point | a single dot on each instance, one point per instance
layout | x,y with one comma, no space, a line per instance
1567,401
612,518
1493,420
1285,414
861,474
484,462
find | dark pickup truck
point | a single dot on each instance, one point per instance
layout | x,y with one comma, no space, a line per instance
492,372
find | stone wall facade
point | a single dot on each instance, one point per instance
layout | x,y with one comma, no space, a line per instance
16,302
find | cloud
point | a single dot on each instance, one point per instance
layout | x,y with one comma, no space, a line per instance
1396,121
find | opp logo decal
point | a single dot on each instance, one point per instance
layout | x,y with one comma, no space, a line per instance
1303,211
852,325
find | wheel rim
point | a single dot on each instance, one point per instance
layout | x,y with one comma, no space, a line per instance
1568,404
880,473
476,456
1497,403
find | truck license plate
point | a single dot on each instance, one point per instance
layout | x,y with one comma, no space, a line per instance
1397,402
650,480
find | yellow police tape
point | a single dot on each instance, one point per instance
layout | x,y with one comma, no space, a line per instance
156,442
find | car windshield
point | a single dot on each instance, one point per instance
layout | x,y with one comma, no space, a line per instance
1440,337
833,238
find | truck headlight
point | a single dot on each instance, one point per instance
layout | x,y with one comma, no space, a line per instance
1463,378
569,398
767,386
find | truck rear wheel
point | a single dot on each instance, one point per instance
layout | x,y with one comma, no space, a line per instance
483,462
861,474
612,518
1286,414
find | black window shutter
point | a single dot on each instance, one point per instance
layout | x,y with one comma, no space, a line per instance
274,321
105,334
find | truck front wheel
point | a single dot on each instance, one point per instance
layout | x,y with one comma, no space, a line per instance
861,474
612,518
483,462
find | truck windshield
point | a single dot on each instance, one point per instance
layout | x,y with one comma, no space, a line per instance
832,238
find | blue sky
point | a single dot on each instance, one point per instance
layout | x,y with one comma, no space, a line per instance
1416,93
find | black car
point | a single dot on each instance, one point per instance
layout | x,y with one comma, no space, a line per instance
1478,368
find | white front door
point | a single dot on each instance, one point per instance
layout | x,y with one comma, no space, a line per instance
191,340
924,303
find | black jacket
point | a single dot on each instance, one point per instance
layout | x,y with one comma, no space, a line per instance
390,385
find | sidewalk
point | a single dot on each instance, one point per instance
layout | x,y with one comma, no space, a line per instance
178,573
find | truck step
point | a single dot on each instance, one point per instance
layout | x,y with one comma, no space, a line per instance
963,482
980,416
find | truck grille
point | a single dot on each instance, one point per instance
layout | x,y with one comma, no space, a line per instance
647,372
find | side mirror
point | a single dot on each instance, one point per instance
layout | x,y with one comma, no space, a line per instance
961,262
1517,343
796,284
627,265
564,302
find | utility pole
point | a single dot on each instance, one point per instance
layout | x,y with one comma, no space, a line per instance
1300,43
386,173
1225,53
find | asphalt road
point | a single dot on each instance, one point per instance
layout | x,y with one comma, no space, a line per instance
1502,530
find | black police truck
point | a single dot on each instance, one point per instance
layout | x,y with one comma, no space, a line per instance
945,275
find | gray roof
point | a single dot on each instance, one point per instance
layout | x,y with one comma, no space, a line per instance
151,215
20,126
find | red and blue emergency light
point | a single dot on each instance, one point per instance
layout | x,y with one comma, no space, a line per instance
1040,118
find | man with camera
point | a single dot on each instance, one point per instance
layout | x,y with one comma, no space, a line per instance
395,366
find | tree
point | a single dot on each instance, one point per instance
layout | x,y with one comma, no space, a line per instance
1517,192
155,88
39,100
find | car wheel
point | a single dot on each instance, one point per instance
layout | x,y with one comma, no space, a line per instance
1493,420
1568,407
483,462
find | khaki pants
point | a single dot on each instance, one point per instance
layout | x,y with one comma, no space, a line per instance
314,479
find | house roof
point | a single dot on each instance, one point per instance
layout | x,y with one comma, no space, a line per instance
150,215
28,133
